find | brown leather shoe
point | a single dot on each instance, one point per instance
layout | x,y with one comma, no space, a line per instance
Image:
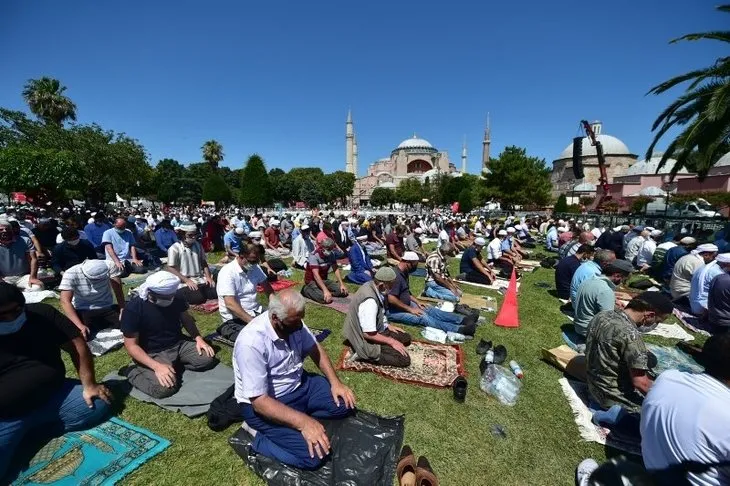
424,474
406,469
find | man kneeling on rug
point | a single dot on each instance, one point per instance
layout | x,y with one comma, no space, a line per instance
366,328
36,396
618,362
152,326
280,401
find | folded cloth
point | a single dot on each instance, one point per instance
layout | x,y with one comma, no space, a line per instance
33,297
692,322
364,451
197,391
671,331
207,307
105,341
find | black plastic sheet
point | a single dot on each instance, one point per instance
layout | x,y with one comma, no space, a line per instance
364,452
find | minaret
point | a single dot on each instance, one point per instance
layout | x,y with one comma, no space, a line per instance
349,144
485,146
463,156
354,155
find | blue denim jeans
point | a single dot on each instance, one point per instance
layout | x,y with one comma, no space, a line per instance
65,411
436,291
432,317
617,419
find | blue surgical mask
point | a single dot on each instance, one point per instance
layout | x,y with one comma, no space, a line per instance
11,327
120,231
164,302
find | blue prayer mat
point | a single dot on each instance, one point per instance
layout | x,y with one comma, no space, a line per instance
102,455
671,358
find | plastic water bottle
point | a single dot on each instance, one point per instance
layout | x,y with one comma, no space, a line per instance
516,369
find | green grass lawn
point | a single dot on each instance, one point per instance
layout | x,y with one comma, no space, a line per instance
542,444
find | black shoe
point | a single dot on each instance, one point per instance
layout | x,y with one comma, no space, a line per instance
483,366
483,347
459,387
468,330
500,354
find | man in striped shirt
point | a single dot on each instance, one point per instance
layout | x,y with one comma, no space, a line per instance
439,284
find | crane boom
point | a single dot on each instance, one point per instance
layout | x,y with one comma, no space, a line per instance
603,176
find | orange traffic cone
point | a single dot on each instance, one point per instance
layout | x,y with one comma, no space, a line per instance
508,315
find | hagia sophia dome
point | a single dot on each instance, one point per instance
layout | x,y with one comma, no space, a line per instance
415,145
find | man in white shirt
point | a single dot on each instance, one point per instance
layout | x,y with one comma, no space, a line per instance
443,236
301,247
236,287
634,244
681,283
685,418
281,403
646,250
366,328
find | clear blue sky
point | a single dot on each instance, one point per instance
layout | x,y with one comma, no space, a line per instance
277,78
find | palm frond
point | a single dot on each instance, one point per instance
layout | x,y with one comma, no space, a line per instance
720,35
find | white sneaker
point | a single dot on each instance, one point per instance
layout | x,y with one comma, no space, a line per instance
584,470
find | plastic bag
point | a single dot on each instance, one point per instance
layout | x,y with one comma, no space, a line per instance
501,383
433,334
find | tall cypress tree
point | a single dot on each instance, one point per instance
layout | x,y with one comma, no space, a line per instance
255,184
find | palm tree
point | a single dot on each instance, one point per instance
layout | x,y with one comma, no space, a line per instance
212,153
46,100
703,111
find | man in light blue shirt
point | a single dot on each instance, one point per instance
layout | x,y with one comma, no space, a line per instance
119,246
700,285
551,239
590,269
165,236
94,231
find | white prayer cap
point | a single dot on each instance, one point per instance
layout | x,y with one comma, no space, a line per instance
579,221
723,258
254,234
707,248
274,222
561,222
480,242
688,240
617,228
410,256
239,231
418,231
353,220
596,232
518,226
161,282
188,227
90,221
95,269
511,230
304,227
501,233
562,229
649,228
656,233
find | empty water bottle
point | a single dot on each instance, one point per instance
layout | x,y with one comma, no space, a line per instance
499,382
516,369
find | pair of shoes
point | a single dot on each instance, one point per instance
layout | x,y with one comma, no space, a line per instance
483,347
412,473
459,388
468,329
498,355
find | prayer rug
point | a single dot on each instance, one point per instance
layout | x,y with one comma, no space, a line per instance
364,451
578,396
102,455
136,279
433,365
671,331
207,307
671,358
529,263
340,304
319,334
197,391
35,296
105,341
278,285
497,285
691,322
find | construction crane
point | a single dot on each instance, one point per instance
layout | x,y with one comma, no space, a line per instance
603,177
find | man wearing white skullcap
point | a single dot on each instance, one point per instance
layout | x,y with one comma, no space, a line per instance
86,296
472,267
718,297
701,279
647,249
685,268
272,242
152,326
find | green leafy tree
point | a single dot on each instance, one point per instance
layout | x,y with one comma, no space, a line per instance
255,185
466,203
561,205
42,174
199,171
215,189
340,185
168,172
307,184
281,189
46,100
231,176
311,195
703,110
212,153
409,191
168,193
518,179
382,196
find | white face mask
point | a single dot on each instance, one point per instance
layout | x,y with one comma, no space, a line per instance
73,242
164,302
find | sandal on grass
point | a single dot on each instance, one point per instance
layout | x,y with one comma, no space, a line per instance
424,474
406,469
